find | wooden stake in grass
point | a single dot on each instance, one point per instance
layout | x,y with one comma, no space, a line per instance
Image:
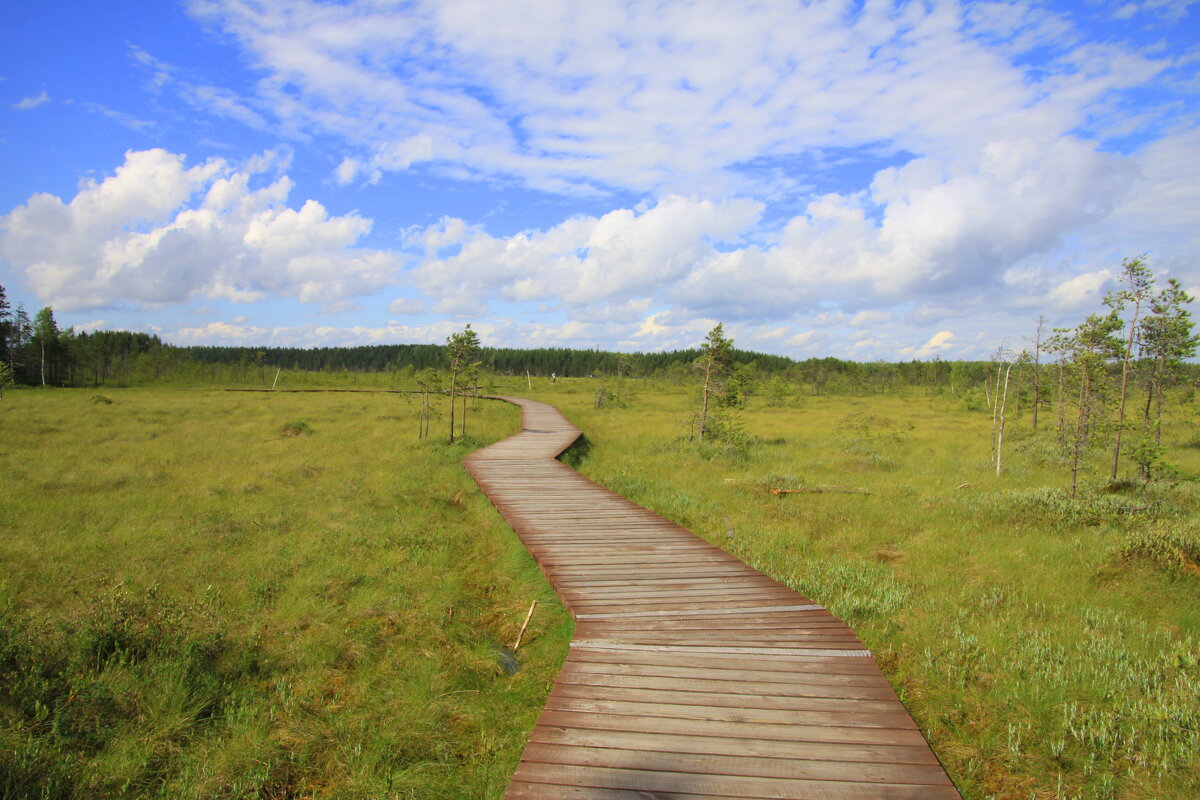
277,371
524,625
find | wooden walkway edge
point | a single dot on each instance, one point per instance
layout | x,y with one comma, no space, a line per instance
691,676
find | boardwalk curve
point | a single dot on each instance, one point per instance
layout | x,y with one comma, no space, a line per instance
691,675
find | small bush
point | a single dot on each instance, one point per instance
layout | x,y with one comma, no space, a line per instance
295,429
1058,509
1041,451
1170,546
100,399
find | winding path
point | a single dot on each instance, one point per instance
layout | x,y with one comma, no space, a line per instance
691,675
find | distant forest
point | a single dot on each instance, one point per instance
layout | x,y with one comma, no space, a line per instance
37,352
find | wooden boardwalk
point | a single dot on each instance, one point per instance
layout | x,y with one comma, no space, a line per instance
691,675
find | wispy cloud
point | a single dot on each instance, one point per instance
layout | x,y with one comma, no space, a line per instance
29,103
120,117
660,96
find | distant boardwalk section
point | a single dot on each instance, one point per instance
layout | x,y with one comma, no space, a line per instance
691,675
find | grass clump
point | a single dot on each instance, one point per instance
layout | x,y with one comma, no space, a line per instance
856,591
1056,508
1171,545
291,429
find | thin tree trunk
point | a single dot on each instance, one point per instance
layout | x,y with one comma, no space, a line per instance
1060,397
996,409
1037,369
1124,388
1080,423
1159,382
453,395
1000,435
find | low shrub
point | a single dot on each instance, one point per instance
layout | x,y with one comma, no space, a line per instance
295,429
1169,545
1056,508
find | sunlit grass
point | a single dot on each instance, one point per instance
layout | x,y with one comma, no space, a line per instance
200,603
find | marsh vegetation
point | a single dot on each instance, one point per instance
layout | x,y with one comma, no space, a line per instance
228,594
215,594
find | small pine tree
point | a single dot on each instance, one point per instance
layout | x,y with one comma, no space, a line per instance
1138,283
716,355
462,349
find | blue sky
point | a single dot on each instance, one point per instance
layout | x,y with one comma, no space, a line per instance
873,180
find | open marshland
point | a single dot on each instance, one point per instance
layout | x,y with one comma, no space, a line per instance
220,594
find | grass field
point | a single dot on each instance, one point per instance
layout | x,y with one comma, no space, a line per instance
1048,648
216,594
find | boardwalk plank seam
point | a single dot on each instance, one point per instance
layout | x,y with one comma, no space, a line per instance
691,675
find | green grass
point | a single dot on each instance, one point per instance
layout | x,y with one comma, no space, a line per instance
1049,648
214,594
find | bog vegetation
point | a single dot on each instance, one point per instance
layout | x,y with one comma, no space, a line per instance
228,594
211,594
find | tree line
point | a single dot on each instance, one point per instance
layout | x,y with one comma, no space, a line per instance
36,351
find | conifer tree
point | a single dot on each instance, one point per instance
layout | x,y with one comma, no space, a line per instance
715,359
1166,339
462,349
1138,283
1091,346
5,326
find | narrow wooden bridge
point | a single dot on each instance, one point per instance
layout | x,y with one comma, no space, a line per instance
691,675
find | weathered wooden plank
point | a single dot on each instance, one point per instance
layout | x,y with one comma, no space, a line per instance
658,741
747,788
744,765
843,719
578,667
676,692
790,731
727,686
716,660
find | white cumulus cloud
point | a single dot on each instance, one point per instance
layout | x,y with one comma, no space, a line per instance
942,340
157,232
584,261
